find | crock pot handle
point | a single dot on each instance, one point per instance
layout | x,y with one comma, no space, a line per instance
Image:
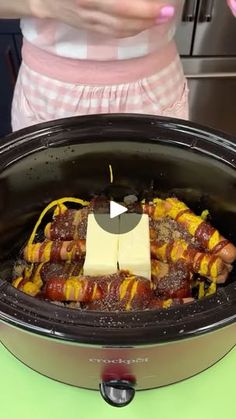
117,393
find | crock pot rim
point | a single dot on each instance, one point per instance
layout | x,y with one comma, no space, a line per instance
47,129
30,314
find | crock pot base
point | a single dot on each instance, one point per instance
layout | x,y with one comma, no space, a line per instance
151,366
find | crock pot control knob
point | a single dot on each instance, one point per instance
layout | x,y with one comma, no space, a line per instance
117,393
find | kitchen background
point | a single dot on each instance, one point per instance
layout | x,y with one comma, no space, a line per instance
206,40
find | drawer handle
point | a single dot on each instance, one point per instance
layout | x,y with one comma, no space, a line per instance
207,10
211,76
189,12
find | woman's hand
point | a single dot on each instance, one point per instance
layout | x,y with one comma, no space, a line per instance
232,5
114,18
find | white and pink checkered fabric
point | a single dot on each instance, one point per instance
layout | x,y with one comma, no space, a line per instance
39,98
64,41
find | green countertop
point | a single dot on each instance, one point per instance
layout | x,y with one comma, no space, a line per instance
24,394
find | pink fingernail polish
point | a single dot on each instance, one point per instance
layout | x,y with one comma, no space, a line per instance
232,5
167,11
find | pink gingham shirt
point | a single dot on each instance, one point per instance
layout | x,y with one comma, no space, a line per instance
62,40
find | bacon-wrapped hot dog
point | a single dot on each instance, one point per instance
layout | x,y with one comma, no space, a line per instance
68,225
205,264
42,272
55,251
208,237
120,292
128,291
171,280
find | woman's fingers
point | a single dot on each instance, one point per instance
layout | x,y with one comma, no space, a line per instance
113,25
115,18
140,9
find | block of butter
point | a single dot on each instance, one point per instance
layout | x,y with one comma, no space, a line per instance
101,247
134,247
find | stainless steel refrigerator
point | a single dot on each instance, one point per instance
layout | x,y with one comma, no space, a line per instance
206,40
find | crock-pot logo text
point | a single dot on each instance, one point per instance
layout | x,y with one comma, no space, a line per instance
118,361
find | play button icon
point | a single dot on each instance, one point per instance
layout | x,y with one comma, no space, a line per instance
116,209
111,217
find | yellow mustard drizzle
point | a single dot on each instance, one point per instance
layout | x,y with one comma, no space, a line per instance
161,251
111,173
28,271
167,303
204,215
30,288
175,207
70,253
175,251
60,209
47,251
157,201
32,250
17,281
68,287
191,221
214,269
47,230
204,266
37,276
132,295
77,218
52,204
159,209
77,288
201,291
94,291
214,240
123,287
212,289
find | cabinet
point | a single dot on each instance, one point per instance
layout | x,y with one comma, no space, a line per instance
10,41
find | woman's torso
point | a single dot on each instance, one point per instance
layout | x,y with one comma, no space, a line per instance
62,40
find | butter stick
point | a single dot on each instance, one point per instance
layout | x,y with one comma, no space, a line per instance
134,247
101,247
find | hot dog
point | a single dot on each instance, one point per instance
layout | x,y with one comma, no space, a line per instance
209,238
55,251
205,264
128,291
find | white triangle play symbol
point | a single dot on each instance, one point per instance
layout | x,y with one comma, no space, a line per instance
116,209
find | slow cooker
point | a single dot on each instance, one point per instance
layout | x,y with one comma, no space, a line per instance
117,353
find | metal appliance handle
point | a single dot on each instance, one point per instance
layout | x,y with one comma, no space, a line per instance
211,76
117,393
207,10
189,12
